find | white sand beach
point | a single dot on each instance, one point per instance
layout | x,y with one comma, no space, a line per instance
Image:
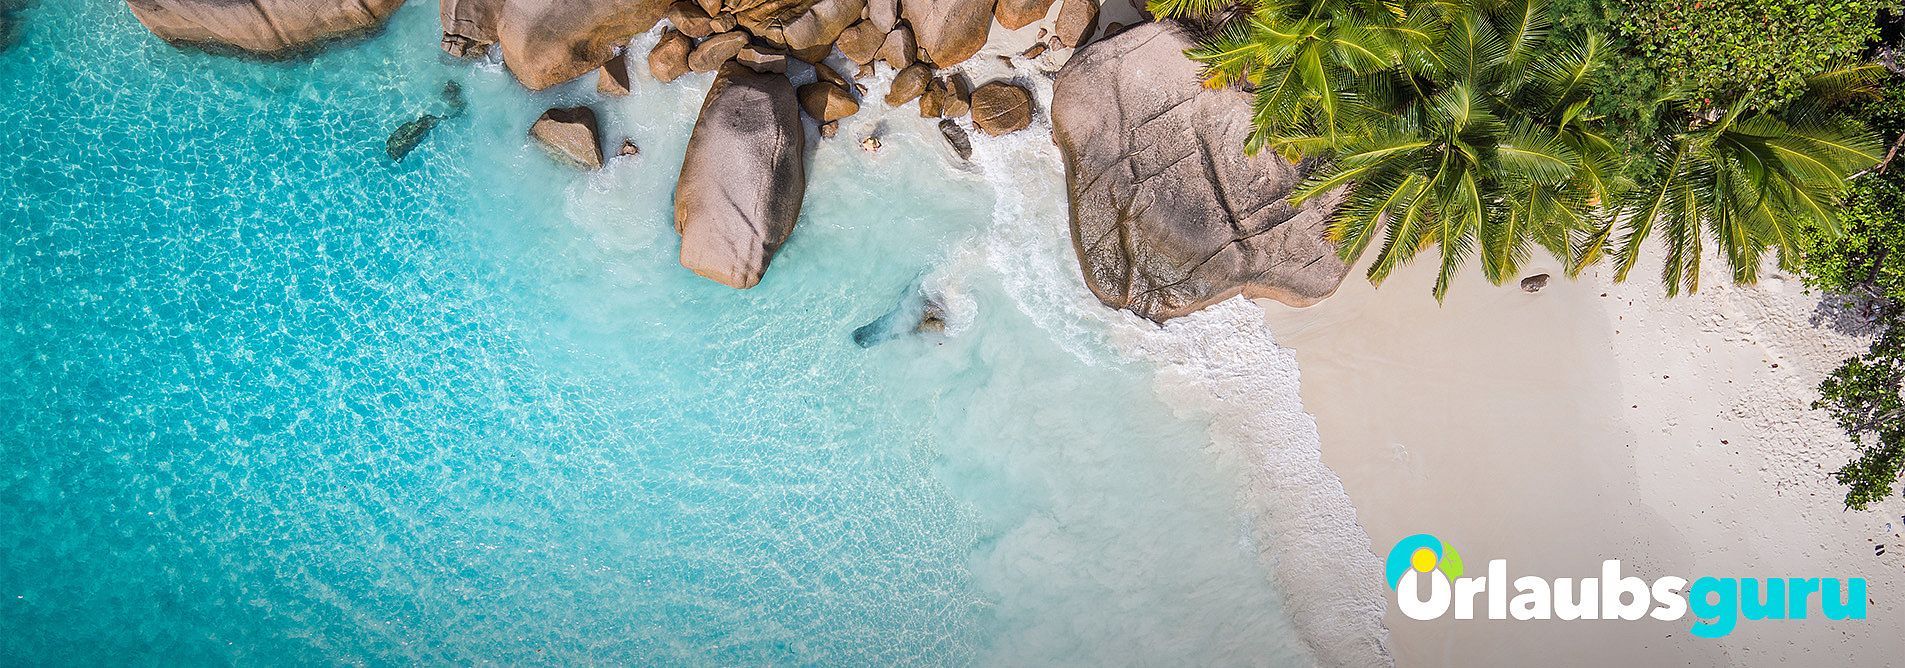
1591,421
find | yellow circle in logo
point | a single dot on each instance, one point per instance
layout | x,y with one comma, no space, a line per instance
1423,559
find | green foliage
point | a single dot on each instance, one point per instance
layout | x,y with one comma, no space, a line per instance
1749,180
1465,126
1867,261
1719,50
1862,395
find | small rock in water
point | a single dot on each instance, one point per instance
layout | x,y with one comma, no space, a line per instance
871,144
829,129
1534,283
918,312
1035,51
628,148
409,135
956,138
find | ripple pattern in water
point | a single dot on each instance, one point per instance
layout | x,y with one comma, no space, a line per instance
268,398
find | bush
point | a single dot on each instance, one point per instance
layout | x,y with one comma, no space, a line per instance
1720,49
1868,261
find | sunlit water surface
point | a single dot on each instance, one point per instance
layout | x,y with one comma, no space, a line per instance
267,397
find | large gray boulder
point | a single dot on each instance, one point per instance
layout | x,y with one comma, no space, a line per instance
262,27
743,179
949,30
1168,214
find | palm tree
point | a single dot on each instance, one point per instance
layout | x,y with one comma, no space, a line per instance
1747,179
1309,62
1471,139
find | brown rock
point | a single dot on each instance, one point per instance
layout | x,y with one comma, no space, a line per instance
861,42
269,28
690,19
710,7
1077,20
1000,107
763,60
571,134
898,49
1016,14
884,13
930,101
908,84
742,179
628,148
1168,213
814,54
822,23
669,59
469,26
828,130
613,78
950,31
708,56
1034,51
723,22
825,73
955,98
547,43
827,102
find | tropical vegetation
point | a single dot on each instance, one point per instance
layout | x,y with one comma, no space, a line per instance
1599,131
1865,262
1469,127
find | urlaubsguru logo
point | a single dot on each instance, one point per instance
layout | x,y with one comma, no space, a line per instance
1423,562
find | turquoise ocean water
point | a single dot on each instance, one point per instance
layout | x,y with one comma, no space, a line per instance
266,397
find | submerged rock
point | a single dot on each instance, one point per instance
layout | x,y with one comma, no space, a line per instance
409,135
918,312
272,28
412,133
743,178
1168,214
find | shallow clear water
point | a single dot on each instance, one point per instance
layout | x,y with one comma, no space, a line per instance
266,397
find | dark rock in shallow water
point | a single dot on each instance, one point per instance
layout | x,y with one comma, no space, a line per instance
956,138
918,312
409,135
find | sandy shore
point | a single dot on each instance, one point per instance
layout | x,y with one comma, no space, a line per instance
1592,421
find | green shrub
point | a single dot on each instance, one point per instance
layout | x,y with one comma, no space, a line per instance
1867,260
1719,49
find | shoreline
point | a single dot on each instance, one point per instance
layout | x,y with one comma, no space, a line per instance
1595,421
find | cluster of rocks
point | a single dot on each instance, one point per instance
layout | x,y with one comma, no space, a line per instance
742,182
1168,213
